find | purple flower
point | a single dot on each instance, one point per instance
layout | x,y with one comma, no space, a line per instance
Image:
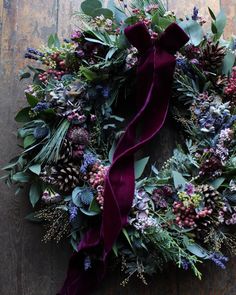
30,56
73,211
218,259
88,160
35,51
40,106
40,132
76,35
189,188
195,13
185,264
87,263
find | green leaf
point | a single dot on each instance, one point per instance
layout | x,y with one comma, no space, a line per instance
197,250
74,244
216,183
115,249
111,152
228,63
87,212
212,14
131,20
24,75
21,177
213,28
194,31
139,167
220,23
179,180
28,141
103,11
89,6
32,100
94,206
23,115
34,193
124,231
88,74
36,169
53,41
32,217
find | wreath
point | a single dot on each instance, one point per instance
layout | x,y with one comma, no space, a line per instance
94,101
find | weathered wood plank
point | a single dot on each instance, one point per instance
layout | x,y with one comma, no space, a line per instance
26,264
66,19
229,6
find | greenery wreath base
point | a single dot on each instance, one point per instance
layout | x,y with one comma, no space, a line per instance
81,90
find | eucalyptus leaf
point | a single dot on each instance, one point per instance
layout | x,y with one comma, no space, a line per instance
34,193
228,63
32,100
89,6
179,180
21,177
28,141
193,30
216,183
36,169
220,23
139,167
23,115
198,251
94,206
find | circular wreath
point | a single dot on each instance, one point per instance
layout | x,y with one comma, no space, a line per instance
84,91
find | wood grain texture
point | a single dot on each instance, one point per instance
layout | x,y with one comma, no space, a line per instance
27,266
229,6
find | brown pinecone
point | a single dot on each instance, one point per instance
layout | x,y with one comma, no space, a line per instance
65,176
212,56
65,154
213,201
211,196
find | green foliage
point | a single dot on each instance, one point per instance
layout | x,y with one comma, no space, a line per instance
34,193
50,151
194,31
53,41
23,115
139,167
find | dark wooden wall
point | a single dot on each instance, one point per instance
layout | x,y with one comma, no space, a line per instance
27,266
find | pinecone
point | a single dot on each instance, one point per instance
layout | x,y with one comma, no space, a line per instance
214,203
212,56
65,151
65,176
211,196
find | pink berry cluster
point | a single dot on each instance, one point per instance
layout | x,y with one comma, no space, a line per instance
55,74
75,116
96,179
187,216
230,89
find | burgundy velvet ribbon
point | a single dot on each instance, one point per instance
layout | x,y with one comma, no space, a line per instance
154,79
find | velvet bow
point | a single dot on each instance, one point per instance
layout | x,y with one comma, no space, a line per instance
154,79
